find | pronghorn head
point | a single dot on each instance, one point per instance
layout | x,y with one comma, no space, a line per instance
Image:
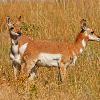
88,32
14,28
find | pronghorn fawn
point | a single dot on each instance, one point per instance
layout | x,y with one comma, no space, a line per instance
45,53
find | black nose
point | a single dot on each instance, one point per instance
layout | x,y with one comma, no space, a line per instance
19,33
92,32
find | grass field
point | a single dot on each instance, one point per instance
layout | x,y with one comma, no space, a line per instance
52,21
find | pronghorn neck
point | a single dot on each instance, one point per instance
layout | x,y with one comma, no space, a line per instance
14,42
80,43
15,52
14,47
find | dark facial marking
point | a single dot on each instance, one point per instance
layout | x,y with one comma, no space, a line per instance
92,32
19,33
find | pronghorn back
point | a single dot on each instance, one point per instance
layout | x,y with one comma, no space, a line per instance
37,46
37,50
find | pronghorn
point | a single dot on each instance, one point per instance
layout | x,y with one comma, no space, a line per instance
16,52
46,53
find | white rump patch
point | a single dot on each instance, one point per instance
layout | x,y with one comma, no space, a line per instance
23,48
47,59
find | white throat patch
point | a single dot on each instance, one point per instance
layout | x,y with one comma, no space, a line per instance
83,43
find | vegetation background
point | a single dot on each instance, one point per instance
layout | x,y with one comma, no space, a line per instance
53,20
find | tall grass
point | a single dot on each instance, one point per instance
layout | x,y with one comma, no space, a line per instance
57,21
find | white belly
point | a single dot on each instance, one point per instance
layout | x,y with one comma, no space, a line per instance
47,59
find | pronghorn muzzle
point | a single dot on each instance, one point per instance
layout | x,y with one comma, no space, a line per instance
15,35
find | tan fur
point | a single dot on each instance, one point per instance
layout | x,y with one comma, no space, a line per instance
35,47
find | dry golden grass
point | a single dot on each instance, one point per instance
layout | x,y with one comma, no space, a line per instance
57,22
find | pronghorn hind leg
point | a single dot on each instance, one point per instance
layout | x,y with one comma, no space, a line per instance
33,71
62,72
59,73
17,69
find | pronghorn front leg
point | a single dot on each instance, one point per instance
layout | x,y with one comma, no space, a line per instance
17,69
73,61
63,67
62,71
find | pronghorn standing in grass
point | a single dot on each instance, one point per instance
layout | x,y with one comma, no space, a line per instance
16,52
46,53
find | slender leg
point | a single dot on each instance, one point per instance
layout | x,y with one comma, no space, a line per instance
62,71
32,72
17,69
59,73
73,61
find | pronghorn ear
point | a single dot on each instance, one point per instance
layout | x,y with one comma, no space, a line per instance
83,24
19,18
18,21
8,21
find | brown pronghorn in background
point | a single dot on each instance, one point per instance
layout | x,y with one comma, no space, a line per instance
46,53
